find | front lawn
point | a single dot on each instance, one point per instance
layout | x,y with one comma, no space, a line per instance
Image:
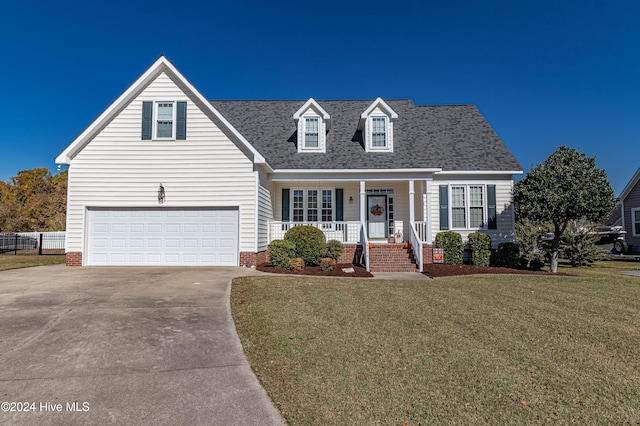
459,350
10,261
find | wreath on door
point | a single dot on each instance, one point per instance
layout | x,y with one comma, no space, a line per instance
377,210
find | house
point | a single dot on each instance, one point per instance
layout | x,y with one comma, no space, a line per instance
630,202
166,177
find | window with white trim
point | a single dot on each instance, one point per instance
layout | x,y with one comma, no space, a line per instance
327,205
298,205
164,120
311,133
468,207
312,205
378,132
165,113
635,222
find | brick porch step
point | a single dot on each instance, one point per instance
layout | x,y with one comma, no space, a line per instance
391,258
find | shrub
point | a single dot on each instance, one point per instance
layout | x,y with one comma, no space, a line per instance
508,255
536,264
451,242
334,249
281,252
310,243
578,245
327,264
529,236
296,264
480,246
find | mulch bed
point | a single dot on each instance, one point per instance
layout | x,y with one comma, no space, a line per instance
315,271
437,270
432,270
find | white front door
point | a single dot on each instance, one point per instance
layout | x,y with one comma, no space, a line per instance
377,216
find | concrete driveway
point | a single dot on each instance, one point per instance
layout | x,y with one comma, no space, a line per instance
124,345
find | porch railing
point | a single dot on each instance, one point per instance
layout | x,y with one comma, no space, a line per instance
345,232
365,247
421,229
416,243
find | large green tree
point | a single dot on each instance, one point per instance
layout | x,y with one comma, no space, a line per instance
33,200
566,186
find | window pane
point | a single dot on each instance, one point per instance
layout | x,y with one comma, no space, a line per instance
636,216
311,140
458,218
475,196
457,196
476,217
165,111
327,205
298,205
312,205
165,129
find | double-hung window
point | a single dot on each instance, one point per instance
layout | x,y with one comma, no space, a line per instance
327,205
298,205
378,132
312,205
165,117
467,206
311,133
458,207
164,120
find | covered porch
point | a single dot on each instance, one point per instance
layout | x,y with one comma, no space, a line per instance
359,212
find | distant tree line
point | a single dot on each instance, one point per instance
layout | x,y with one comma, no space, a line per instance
33,200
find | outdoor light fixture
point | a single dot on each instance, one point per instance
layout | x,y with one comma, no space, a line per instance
161,194
351,200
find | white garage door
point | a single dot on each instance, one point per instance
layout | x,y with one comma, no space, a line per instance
162,236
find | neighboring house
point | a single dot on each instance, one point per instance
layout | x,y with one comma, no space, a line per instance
165,177
630,200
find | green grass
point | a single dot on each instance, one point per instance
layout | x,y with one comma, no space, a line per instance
458,350
9,261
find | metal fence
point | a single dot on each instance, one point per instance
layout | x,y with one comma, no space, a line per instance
33,243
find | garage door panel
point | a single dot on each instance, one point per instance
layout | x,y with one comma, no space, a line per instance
162,237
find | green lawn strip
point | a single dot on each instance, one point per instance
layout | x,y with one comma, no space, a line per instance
9,261
481,349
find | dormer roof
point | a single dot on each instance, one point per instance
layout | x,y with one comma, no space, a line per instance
315,106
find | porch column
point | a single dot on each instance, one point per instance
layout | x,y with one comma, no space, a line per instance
428,213
412,205
363,203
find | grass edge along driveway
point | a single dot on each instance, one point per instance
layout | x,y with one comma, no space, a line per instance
460,350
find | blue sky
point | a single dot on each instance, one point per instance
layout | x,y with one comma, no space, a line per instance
543,72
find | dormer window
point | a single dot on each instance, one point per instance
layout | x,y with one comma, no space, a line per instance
378,132
311,133
313,123
376,124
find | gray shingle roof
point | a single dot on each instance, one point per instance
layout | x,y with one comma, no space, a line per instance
454,138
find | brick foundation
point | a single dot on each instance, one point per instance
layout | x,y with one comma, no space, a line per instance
253,258
74,258
348,254
427,253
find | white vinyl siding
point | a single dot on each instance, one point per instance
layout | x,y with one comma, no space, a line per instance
265,211
118,169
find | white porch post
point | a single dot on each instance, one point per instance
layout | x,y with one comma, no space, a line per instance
363,203
412,205
428,213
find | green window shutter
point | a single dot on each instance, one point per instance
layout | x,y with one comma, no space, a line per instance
491,207
339,205
285,205
147,116
444,207
181,126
